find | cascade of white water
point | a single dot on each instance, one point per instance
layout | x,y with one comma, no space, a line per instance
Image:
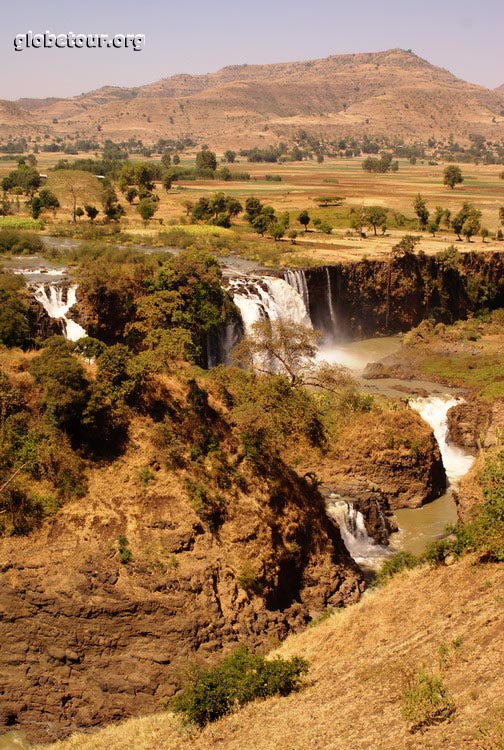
434,410
52,299
329,298
359,544
297,280
261,297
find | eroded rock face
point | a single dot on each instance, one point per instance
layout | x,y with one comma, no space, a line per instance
392,455
87,640
477,423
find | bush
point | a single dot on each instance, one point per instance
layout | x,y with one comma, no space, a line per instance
399,562
15,241
425,701
240,678
123,550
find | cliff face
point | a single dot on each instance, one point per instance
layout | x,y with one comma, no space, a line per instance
370,297
87,639
388,460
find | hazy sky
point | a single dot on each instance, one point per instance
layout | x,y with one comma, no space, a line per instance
200,36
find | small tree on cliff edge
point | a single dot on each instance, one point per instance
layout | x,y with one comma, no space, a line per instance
283,347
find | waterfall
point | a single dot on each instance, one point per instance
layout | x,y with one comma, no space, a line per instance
261,297
434,410
363,549
297,280
329,298
56,303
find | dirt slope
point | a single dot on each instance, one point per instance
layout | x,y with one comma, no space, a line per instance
448,620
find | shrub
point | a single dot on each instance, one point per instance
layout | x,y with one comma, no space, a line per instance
123,550
14,241
425,701
237,680
399,562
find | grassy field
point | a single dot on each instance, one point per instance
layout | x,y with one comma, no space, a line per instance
301,183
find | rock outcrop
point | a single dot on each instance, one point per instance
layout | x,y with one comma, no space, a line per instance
476,423
392,455
88,639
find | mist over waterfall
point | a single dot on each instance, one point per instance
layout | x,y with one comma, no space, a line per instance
267,297
434,410
57,299
363,549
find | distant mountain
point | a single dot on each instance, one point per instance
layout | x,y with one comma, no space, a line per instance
394,92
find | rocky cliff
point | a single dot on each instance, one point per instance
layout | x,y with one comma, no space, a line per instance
104,607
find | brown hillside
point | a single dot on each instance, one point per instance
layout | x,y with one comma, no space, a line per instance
394,93
447,620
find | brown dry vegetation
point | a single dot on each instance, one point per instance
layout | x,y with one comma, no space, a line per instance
385,92
448,620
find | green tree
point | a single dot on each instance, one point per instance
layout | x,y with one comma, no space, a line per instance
467,221
421,212
91,211
452,176
48,199
376,216
277,230
130,194
253,208
229,156
146,208
304,219
206,161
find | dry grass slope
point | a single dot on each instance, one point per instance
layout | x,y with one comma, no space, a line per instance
447,620
395,93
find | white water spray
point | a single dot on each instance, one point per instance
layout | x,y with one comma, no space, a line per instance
363,549
262,297
297,281
434,410
51,298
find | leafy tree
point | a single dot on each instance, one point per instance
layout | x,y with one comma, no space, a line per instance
36,207
452,176
467,221
376,216
167,182
176,159
260,224
79,212
277,230
111,206
421,211
130,194
484,233
289,349
65,386
253,208
304,219
229,156
48,199
91,211
15,314
146,208
358,219
206,161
